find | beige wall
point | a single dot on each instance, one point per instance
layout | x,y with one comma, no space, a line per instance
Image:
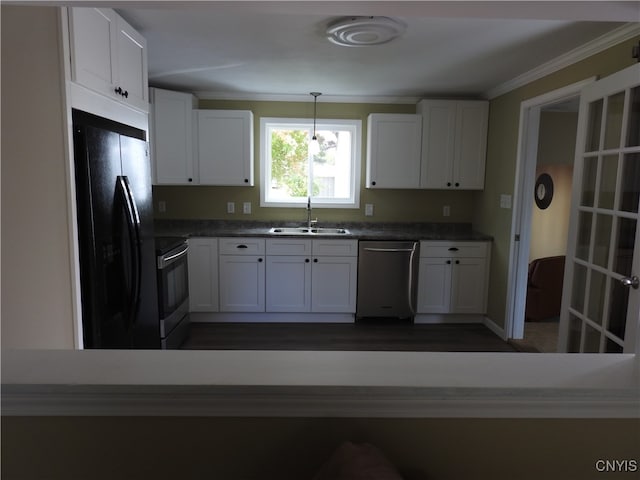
203,202
556,148
294,448
502,146
36,266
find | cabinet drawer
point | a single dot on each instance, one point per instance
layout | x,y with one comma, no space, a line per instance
242,246
336,248
453,249
288,246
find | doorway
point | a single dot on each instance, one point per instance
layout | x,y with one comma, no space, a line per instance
541,204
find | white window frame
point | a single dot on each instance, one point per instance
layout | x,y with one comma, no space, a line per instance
354,125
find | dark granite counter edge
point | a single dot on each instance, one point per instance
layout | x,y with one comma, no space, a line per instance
358,230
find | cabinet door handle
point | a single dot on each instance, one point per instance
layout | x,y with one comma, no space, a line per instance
457,262
448,184
457,184
373,183
306,260
260,260
315,260
448,262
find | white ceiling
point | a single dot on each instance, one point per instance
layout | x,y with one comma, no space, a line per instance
247,49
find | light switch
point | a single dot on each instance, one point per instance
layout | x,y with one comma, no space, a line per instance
446,211
162,206
246,208
368,209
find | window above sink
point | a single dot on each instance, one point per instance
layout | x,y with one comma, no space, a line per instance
291,172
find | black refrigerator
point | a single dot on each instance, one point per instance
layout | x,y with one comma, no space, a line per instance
115,228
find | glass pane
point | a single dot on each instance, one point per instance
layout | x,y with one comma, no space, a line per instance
597,291
624,246
591,339
584,235
578,289
618,305
633,138
608,177
612,347
630,190
575,326
593,129
602,241
332,165
289,164
613,125
589,181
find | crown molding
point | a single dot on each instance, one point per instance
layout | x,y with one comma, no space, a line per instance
598,45
266,97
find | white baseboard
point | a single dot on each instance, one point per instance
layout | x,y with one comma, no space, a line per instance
495,328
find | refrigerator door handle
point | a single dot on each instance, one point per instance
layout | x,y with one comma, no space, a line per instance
133,224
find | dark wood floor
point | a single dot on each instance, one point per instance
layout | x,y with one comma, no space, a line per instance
362,336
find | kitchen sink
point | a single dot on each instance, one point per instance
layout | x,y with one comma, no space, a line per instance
309,231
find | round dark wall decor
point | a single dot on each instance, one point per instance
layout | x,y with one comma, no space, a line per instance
543,192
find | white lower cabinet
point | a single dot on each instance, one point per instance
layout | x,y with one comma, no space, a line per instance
318,276
453,277
242,275
203,274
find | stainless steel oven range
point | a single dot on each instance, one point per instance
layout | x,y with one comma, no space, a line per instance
173,290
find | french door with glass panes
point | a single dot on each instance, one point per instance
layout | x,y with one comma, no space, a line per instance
601,300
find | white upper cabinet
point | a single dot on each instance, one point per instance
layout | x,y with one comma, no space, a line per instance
172,137
108,56
393,150
454,140
225,147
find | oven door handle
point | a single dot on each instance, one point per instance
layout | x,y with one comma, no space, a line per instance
166,260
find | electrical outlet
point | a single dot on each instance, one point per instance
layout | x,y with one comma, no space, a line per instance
446,211
368,209
162,206
231,207
246,208
505,201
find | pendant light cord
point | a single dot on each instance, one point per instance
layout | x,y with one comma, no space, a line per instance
315,103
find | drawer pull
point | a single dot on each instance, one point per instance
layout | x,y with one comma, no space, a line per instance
242,246
453,249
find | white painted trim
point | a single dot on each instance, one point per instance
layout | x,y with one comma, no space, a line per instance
262,97
433,318
319,384
598,45
495,328
521,215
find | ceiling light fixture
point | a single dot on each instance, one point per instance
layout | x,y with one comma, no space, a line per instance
364,31
314,146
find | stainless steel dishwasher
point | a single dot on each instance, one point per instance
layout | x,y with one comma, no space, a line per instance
387,279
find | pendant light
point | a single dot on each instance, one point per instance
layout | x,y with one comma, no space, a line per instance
314,146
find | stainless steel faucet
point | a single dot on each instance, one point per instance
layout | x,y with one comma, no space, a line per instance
310,223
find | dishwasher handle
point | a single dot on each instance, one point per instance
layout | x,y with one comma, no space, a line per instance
372,249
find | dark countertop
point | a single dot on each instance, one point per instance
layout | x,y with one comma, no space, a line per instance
359,230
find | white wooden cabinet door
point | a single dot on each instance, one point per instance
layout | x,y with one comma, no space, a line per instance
471,144
242,283
334,284
108,56
131,64
203,274
172,137
454,140
434,285
467,285
438,143
225,147
288,283
393,150
93,41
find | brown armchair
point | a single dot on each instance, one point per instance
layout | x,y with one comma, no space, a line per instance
544,288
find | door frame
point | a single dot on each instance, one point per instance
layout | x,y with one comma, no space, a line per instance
520,239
